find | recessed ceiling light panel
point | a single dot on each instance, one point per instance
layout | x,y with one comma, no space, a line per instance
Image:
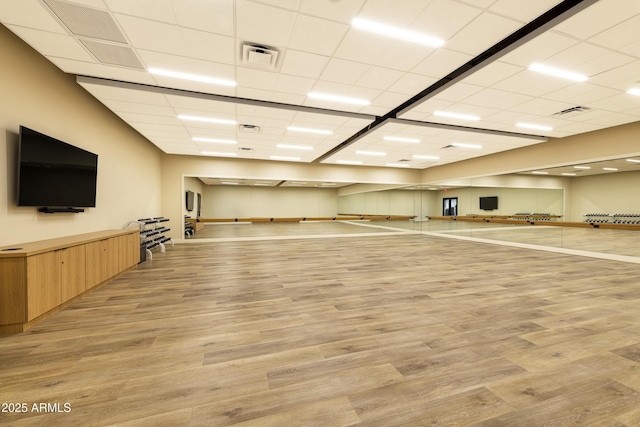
425,157
634,91
214,153
370,153
309,130
556,72
214,140
294,147
191,77
349,162
396,33
207,120
464,145
401,139
532,126
456,116
337,98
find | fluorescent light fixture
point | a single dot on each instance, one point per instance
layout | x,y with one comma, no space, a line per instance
213,153
299,182
396,33
292,159
207,120
308,130
420,156
191,77
582,167
258,184
229,183
217,141
400,139
568,174
398,165
633,160
328,184
337,98
609,169
463,145
456,116
532,126
556,72
634,91
294,147
349,162
540,173
370,153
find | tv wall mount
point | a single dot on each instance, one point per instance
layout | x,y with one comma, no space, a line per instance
57,210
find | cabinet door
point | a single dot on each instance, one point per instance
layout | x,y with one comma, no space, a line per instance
111,257
13,287
43,283
72,272
95,263
129,250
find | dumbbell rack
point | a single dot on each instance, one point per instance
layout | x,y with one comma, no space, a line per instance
612,218
152,234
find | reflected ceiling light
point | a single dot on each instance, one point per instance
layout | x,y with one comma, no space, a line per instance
229,183
556,72
218,141
633,160
634,91
293,159
371,153
420,156
532,126
337,98
328,184
456,116
463,145
308,130
400,139
582,167
299,182
396,33
609,169
349,162
569,174
259,184
207,120
540,173
398,165
294,147
213,153
191,77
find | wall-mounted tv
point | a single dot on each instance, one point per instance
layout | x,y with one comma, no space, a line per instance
52,173
489,203
190,196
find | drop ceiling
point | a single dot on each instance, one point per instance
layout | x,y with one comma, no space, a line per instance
279,51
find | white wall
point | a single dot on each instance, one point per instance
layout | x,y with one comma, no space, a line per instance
34,93
271,202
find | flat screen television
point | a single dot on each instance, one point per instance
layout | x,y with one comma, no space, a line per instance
190,198
52,173
489,203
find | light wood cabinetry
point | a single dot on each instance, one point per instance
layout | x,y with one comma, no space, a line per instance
37,279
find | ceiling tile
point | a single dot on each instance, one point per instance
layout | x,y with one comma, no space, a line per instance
212,16
483,32
50,44
209,47
339,11
341,71
263,24
303,64
316,35
30,13
156,10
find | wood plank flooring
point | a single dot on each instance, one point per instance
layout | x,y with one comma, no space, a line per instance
404,330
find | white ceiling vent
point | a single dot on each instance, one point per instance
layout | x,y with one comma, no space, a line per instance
260,56
86,21
576,109
111,54
249,128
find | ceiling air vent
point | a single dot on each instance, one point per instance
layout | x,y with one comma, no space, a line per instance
245,149
260,56
577,109
86,21
113,54
403,160
249,128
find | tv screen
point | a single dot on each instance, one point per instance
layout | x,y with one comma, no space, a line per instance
52,173
190,197
489,203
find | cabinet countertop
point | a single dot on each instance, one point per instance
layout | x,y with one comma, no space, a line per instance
33,248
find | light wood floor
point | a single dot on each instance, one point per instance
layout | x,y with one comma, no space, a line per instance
405,330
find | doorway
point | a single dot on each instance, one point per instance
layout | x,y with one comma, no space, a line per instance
450,206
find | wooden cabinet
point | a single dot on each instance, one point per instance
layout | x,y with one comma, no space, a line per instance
37,279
